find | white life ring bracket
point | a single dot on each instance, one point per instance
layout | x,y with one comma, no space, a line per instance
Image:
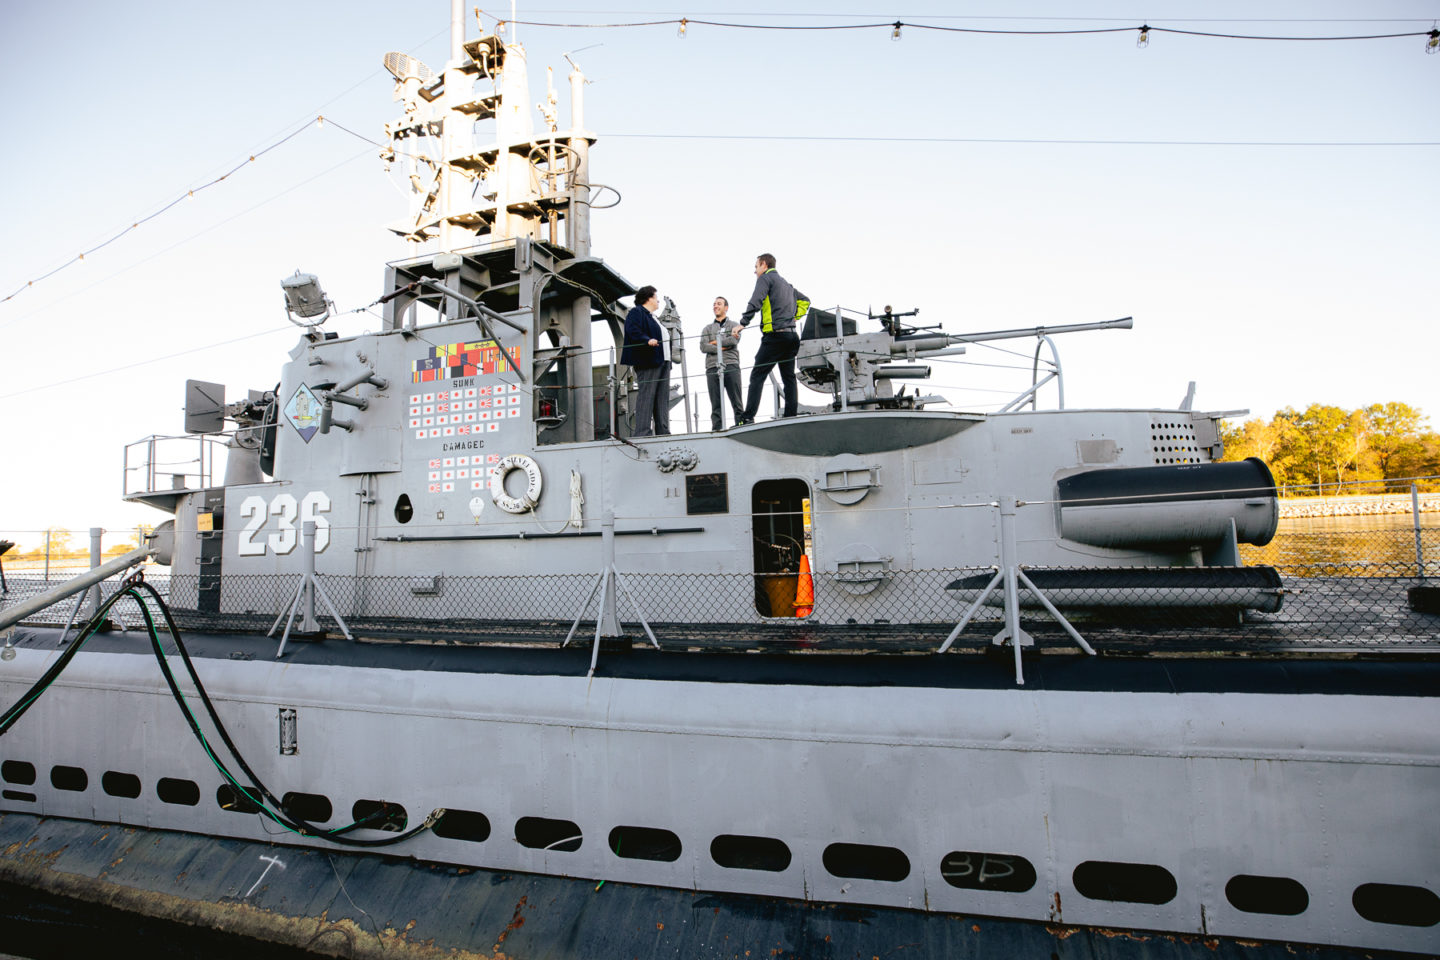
533,484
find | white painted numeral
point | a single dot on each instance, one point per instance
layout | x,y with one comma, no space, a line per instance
288,515
284,508
253,509
317,502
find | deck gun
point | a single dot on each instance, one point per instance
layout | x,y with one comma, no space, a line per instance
859,369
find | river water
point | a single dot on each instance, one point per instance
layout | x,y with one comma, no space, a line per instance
1378,546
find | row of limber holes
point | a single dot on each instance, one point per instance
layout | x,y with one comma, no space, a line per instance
1003,873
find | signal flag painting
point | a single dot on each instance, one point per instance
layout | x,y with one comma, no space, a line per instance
462,360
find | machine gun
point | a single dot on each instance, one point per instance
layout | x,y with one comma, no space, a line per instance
859,370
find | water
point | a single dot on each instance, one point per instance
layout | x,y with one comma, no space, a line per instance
1370,546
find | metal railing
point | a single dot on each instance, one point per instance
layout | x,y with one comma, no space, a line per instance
1337,583
158,463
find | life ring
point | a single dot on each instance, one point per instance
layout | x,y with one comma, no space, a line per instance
503,500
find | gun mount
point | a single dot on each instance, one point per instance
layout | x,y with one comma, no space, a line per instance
860,370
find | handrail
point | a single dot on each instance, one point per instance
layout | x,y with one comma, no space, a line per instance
89,578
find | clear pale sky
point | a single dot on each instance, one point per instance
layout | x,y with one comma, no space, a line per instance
1273,275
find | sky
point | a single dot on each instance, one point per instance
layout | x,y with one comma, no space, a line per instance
1264,210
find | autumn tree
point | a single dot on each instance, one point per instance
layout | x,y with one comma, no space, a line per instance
1394,427
1325,444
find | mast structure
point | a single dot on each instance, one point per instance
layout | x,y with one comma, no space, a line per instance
501,205
521,183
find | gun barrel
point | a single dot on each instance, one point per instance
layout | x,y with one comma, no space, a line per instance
902,371
920,345
1124,323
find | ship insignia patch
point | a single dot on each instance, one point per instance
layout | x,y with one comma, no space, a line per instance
303,412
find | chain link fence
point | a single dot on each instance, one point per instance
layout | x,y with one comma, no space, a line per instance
1321,582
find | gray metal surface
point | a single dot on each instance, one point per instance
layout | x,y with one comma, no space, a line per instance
1208,786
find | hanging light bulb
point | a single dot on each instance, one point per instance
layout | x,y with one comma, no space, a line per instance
1433,44
895,34
681,32
1143,40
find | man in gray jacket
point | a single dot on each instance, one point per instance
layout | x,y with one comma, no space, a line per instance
721,341
778,304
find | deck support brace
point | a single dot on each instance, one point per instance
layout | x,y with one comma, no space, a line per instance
609,583
305,596
1012,576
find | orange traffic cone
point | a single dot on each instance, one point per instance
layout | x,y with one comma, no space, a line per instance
805,590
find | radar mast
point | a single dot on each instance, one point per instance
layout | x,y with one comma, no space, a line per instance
463,189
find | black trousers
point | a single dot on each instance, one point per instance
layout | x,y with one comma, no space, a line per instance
776,350
732,390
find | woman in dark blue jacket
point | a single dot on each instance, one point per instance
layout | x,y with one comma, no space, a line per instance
644,351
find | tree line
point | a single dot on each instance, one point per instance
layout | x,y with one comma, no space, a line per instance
1313,451
65,545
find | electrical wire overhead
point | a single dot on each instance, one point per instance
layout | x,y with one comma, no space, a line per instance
895,27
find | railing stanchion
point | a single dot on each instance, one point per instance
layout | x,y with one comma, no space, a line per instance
304,601
1009,577
610,584
1415,512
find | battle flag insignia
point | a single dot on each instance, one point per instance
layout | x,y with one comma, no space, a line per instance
303,412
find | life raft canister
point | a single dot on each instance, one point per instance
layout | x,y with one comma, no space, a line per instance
503,500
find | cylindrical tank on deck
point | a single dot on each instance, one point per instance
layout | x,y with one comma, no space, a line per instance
1184,505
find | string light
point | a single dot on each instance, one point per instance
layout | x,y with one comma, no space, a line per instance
188,195
1432,46
894,28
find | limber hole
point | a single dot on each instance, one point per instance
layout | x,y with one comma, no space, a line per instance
462,825
379,815
310,807
1002,872
542,833
645,843
228,798
186,793
18,771
68,778
1281,896
116,784
1124,882
1396,903
862,861
750,853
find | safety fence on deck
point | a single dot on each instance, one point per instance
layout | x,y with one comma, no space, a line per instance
1335,583
1198,609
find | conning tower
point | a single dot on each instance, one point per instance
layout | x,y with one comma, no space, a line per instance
506,209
